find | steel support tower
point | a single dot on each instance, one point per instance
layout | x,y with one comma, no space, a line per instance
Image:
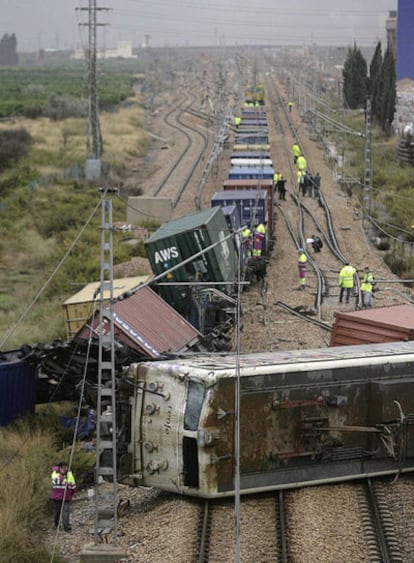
106,459
367,189
94,137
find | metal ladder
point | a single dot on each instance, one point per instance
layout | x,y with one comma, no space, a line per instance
106,517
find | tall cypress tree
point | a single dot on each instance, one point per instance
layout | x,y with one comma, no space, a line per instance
374,81
355,79
388,93
8,50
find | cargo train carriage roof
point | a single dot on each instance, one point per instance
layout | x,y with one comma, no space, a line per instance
253,129
250,154
186,223
252,183
251,147
248,137
251,162
249,170
240,194
210,366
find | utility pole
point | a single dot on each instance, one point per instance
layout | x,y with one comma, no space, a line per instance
94,137
341,135
367,189
106,503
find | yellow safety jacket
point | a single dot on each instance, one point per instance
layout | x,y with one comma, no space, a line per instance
301,163
367,282
346,276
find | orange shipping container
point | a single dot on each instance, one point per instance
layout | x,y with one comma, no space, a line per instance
383,324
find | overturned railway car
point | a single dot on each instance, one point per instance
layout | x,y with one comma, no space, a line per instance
306,417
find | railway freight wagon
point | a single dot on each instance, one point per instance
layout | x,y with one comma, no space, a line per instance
252,139
241,155
181,239
252,205
251,173
243,146
244,132
306,417
254,94
251,162
253,120
248,185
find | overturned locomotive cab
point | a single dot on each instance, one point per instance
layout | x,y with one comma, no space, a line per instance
306,417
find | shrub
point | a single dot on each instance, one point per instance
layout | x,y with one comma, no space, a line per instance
396,263
14,143
62,107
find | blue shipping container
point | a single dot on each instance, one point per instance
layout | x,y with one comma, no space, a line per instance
251,140
232,216
261,172
17,388
250,154
252,204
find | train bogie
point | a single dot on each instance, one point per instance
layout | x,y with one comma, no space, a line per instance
306,417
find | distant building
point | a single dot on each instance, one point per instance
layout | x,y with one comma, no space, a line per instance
122,51
405,39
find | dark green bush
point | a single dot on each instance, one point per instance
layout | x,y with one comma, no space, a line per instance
63,106
14,143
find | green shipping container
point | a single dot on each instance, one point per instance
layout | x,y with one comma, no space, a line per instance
179,239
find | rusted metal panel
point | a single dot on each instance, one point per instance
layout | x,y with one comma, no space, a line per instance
146,323
78,308
385,324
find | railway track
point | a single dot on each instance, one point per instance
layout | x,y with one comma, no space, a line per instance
219,540
377,524
270,525
194,141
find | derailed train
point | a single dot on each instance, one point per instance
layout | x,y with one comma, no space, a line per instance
306,417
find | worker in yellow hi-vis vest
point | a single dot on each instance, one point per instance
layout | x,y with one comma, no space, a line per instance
296,152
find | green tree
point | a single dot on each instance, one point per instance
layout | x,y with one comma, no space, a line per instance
8,50
355,79
14,143
388,94
374,81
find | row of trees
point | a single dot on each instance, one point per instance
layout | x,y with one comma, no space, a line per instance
8,50
379,84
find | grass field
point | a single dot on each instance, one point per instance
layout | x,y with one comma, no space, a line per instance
38,225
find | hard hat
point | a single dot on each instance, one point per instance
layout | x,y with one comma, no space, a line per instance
300,250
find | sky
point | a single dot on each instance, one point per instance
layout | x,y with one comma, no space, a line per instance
61,23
